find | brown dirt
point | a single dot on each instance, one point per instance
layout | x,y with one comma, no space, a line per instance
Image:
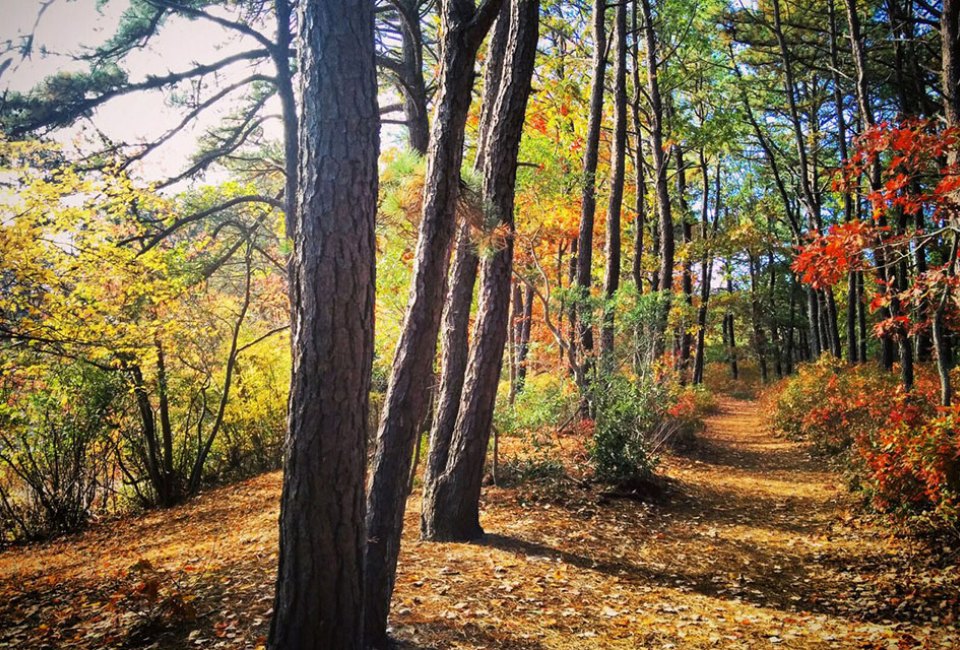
756,545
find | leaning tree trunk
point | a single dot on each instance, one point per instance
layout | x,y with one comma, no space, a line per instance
464,28
319,593
618,153
456,314
451,503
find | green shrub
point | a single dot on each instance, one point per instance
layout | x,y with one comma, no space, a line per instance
628,414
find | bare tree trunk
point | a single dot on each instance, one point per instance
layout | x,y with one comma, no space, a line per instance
456,315
618,153
451,504
659,160
411,83
319,596
464,28
686,341
589,190
641,192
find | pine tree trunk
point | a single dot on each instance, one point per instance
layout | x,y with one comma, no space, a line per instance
618,152
405,404
451,503
588,204
319,596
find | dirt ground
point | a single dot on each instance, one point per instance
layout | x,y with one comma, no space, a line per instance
755,545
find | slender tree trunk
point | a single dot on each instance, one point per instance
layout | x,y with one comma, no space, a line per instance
523,346
641,191
453,351
686,341
759,336
456,314
319,595
589,190
464,28
288,106
451,504
618,153
411,84
513,337
858,47
731,340
667,245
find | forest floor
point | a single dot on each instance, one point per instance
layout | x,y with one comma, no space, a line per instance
755,544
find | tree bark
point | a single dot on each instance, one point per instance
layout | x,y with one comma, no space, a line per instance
588,205
464,26
451,504
455,329
618,153
659,161
319,594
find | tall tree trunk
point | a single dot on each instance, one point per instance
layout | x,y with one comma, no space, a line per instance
319,596
730,341
706,264
858,48
950,62
618,153
456,314
451,504
453,351
588,204
686,341
523,346
280,54
756,314
464,27
848,207
640,166
667,246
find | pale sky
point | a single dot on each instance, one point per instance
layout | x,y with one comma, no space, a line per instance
67,26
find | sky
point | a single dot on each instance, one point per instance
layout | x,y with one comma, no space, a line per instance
68,27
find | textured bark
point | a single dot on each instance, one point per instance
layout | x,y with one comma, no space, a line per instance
950,60
319,595
464,26
588,205
456,315
618,154
453,351
667,246
451,504
950,49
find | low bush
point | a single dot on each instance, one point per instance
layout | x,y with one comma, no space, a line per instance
636,418
899,450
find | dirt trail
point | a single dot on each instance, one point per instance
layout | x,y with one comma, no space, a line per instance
753,548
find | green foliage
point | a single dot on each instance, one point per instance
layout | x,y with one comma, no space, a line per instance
627,415
56,433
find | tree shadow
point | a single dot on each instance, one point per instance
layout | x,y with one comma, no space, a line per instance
790,588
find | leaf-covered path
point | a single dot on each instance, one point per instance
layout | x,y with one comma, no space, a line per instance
755,546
